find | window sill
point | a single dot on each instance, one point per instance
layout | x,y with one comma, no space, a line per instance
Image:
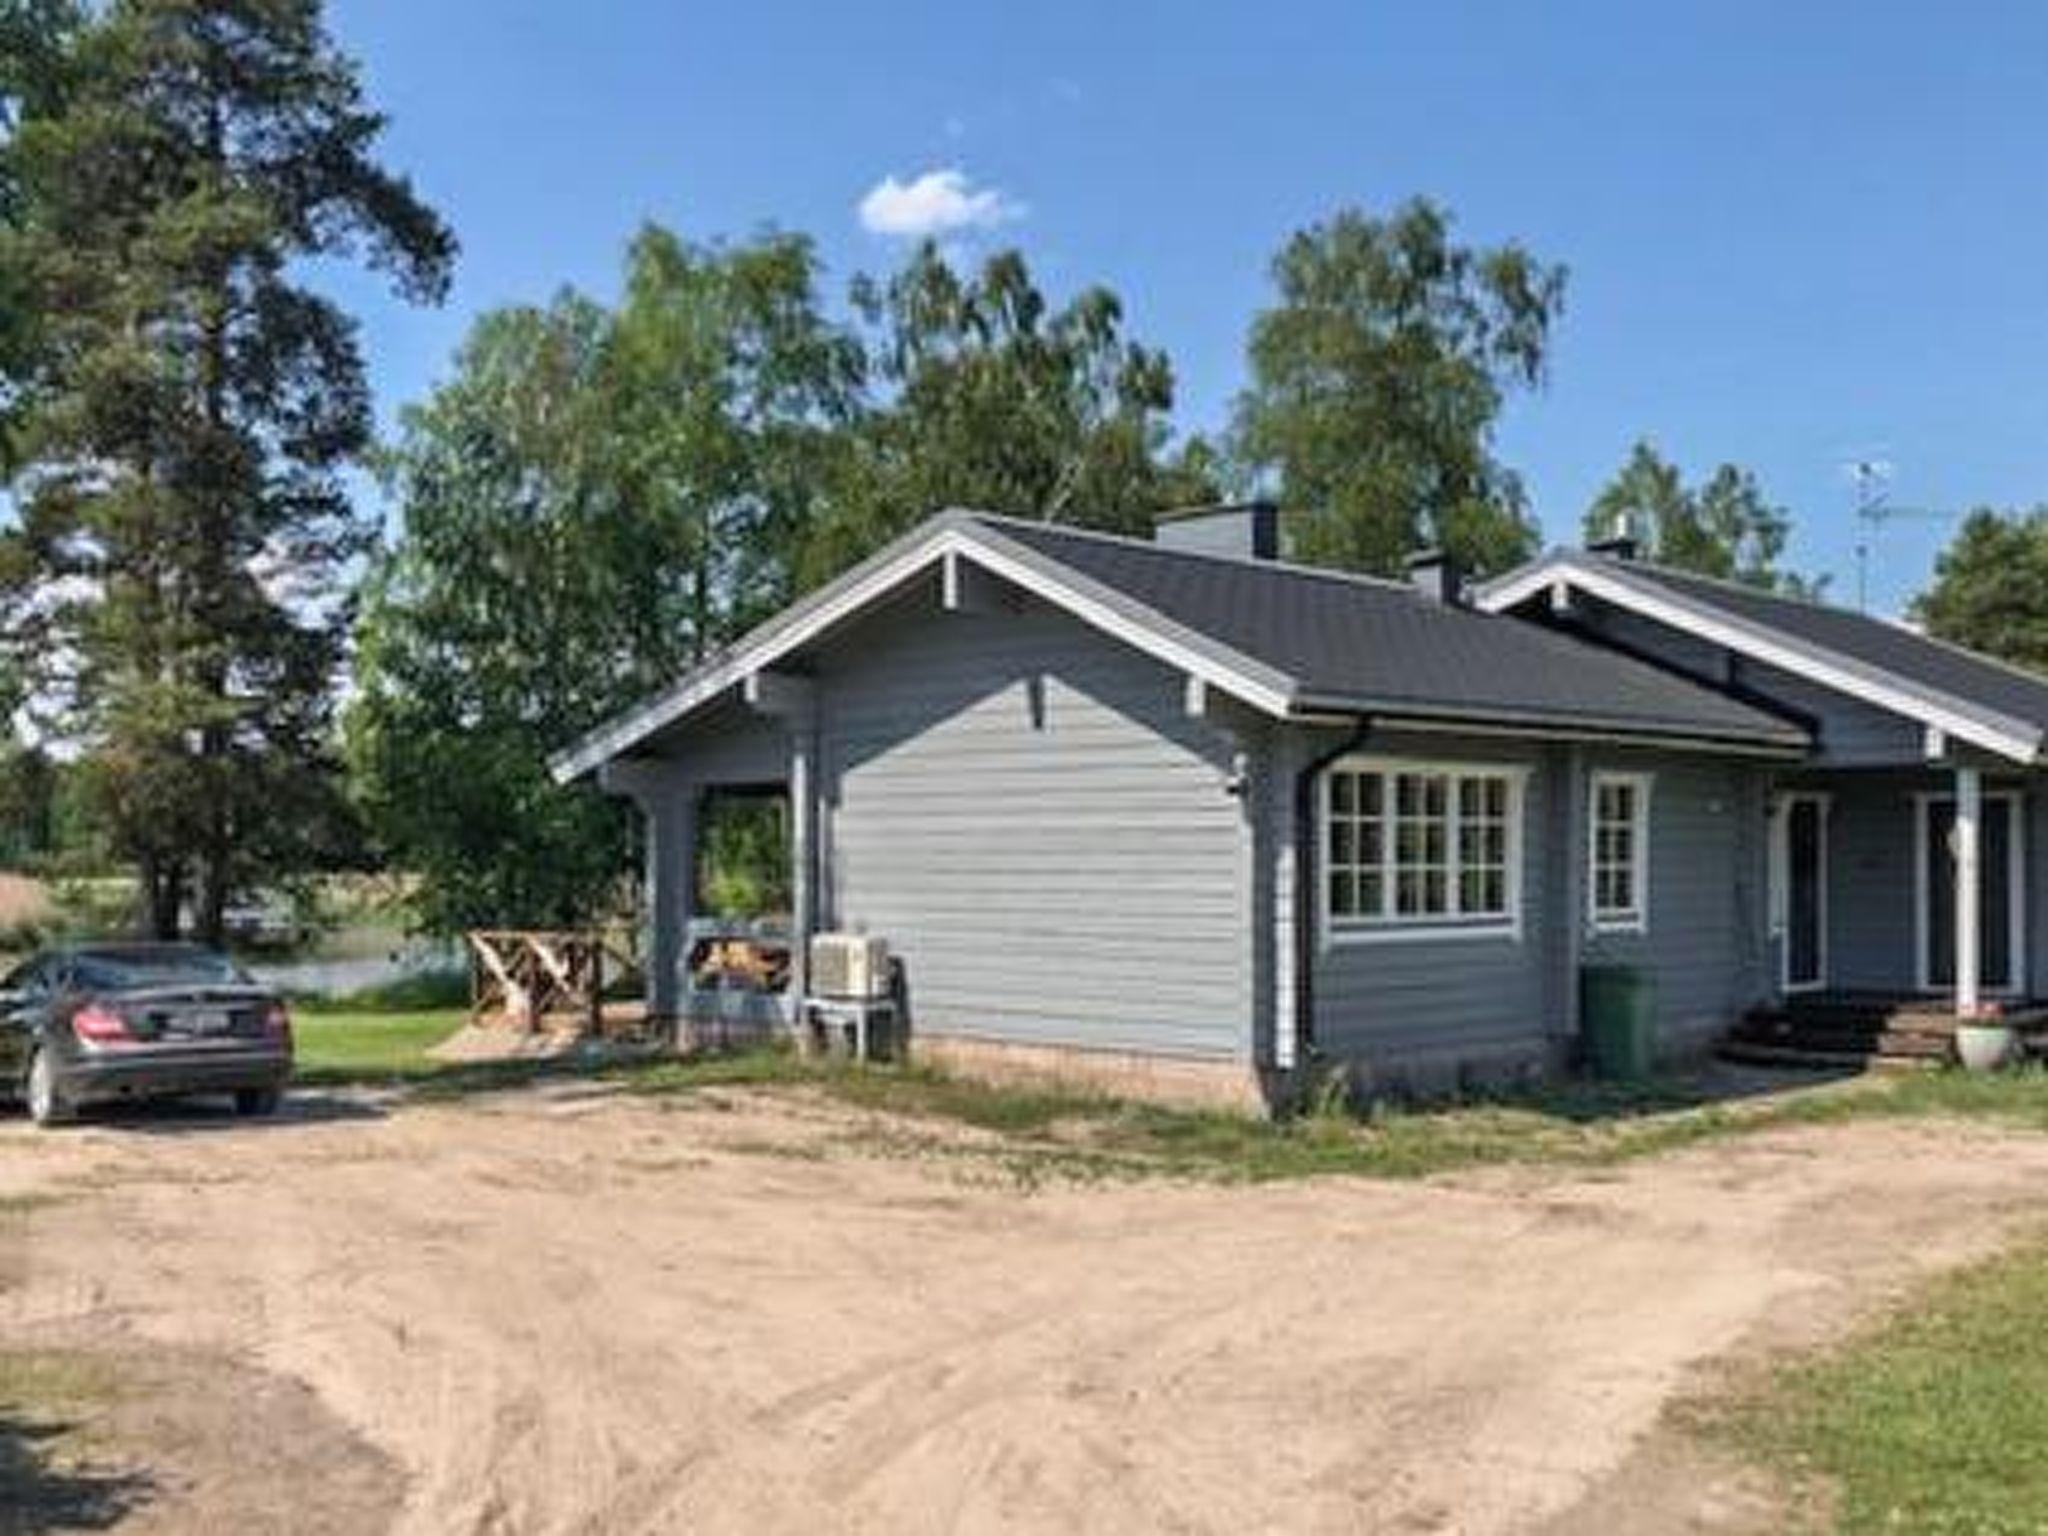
1420,933
1618,924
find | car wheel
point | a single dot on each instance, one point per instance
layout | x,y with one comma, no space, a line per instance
257,1101
46,1105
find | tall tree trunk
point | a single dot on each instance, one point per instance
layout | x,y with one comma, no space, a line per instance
162,895
209,918
216,740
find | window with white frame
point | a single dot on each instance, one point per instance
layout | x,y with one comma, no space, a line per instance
1618,873
1407,845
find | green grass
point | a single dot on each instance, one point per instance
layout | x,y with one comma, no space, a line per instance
334,1049
55,1467
1930,1421
1053,1131
55,1382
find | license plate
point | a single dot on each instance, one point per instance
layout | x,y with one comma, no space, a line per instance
208,1021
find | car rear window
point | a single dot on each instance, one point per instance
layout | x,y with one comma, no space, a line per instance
121,970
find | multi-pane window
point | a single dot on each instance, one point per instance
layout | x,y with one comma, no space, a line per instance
1410,844
1618,875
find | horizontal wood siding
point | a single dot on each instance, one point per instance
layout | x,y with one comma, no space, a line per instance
1412,1001
728,744
1023,808
1873,930
1401,1004
1706,936
1849,732
1648,638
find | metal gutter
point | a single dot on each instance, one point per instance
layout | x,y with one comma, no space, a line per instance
1306,879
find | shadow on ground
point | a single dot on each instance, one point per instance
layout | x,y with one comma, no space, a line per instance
39,1492
198,1116
1588,1101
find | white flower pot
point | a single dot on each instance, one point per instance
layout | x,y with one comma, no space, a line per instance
1986,1047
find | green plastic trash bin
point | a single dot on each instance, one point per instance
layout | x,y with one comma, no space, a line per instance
1618,1019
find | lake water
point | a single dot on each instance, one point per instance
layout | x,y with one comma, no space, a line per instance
333,974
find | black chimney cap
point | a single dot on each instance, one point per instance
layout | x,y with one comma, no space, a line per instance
1437,575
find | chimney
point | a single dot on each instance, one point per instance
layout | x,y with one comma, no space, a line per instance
1621,547
1437,577
1249,530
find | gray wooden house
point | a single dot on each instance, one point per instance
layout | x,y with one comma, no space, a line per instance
1185,814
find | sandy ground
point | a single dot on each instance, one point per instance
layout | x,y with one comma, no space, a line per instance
23,900
564,1312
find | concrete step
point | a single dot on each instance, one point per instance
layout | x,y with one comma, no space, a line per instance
1800,1034
1751,1053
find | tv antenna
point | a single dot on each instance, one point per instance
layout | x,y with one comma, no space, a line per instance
1874,508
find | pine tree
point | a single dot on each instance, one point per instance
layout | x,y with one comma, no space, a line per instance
174,586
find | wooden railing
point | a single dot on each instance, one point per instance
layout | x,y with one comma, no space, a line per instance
528,977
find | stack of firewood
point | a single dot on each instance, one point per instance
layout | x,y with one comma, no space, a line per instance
753,965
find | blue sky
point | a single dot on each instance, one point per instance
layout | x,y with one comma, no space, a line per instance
1798,233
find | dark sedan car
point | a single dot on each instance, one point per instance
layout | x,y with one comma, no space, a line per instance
92,1023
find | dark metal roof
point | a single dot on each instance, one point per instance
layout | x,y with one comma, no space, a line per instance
1904,653
1355,643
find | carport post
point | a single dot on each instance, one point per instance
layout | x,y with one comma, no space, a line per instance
668,807
671,895
1968,857
792,700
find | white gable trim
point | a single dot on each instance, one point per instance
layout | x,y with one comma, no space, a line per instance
1995,733
945,543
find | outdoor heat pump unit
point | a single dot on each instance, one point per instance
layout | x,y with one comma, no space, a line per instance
852,966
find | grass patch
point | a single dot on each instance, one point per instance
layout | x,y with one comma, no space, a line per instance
1039,1132
1589,1125
54,1383
1058,1131
334,1049
53,1469
1928,1421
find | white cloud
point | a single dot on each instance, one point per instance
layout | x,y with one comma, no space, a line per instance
942,202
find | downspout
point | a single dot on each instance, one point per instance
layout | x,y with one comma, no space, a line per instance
1306,878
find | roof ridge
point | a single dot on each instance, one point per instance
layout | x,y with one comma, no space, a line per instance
1725,583
1897,625
1252,562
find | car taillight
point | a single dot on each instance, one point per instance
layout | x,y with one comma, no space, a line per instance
99,1025
277,1022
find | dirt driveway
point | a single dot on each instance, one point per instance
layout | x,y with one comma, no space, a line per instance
563,1311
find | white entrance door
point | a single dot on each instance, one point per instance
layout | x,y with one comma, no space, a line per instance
1799,890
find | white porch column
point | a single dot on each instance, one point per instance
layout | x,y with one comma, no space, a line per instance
1968,844
803,811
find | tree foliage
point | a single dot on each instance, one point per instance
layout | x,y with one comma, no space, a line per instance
174,585
597,498
1377,379
988,395
1990,589
1724,527
602,495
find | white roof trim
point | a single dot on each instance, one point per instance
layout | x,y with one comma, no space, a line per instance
1994,732
946,538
